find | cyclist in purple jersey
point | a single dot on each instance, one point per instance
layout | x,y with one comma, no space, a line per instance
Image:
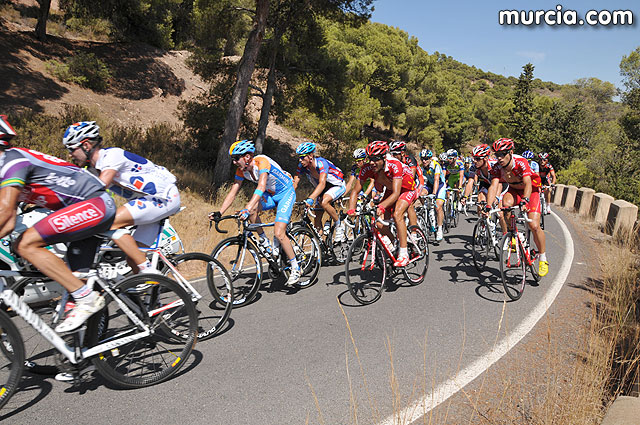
82,209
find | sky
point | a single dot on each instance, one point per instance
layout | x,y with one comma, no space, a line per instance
469,32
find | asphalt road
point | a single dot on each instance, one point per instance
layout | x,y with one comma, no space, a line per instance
289,358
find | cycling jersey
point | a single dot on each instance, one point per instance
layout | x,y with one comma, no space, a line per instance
520,169
416,169
278,180
355,170
485,177
323,166
535,167
545,170
430,173
45,180
454,171
470,172
393,169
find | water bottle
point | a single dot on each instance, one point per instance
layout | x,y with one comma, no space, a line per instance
264,242
432,219
276,247
327,228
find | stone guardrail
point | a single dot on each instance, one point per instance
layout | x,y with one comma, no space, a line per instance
619,219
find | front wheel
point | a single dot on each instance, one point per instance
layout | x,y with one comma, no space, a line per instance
418,248
171,318
11,358
209,284
513,266
243,265
366,269
481,244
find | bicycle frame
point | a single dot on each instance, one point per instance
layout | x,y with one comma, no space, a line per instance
377,238
513,227
74,354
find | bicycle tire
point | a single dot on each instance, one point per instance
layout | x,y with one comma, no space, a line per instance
511,261
308,253
245,278
447,218
339,249
366,276
533,267
454,215
480,245
174,331
209,278
418,247
11,358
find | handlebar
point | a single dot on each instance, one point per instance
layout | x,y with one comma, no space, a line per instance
522,216
307,208
226,217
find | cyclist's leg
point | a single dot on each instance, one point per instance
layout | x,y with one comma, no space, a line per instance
332,194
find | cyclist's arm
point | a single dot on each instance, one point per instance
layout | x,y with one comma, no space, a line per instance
395,194
528,188
322,183
228,200
296,180
8,204
436,183
262,186
492,191
468,187
553,176
460,178
369,188
352,178
353,198
107,177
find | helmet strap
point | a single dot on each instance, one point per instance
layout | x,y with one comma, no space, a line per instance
89,153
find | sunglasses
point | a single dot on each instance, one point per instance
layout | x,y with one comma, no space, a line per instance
375,158
477,158
236,158
501,154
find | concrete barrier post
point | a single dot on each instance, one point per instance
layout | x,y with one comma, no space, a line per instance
624,411
557,198
582,204
621,218
600,208
569,197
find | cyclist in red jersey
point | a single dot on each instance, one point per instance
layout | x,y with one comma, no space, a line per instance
399,151
524,189
396,179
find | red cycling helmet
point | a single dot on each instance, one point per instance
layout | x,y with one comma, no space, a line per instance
481,151
377,148
6,132
397,146
502,144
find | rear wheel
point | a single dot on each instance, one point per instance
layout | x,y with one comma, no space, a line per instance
308,253
366,270
170,315
11,358
513,266
418,248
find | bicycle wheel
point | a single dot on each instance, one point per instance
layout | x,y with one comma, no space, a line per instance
535,259
340,248
199,272
481,244
244,268
366,270
166,309
308,253
454,214
418,247
447,217
513,266
11,358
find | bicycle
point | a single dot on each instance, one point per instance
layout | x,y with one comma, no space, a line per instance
426,214
484,239
516,255
452,207
333,252
242,255
369,258
142,337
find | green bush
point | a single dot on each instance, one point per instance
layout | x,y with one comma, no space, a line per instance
84,69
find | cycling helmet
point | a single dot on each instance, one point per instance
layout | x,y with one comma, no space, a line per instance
306,148
502,144
443,156
468,160
241,147
481,151
528,155
452,153
79,132
426,154
377,148
6,132
359,154
543,155
397,146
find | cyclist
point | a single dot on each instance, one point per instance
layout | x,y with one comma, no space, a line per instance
329,185
469,178
548,176
275,190
455,169
524,189
528,155
484,164
149,189
398,150
82,208
435,186
360,157
399,192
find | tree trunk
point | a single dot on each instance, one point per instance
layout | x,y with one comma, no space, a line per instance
267,99
406,135
239,97
43,16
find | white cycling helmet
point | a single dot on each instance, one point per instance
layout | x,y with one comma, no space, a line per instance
79,132
443,156
359,153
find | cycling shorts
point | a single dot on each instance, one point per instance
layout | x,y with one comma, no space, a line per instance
534,199
484,189
283,202
147,212
441,193
76,224
409,196
335,192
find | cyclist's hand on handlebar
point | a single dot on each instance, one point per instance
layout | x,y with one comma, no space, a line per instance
523,205
309,202
215,216
351,212
431,196
243,214
380,210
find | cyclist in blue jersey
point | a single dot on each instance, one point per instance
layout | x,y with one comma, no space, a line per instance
436,186
82,208
329,185
275,190
528,155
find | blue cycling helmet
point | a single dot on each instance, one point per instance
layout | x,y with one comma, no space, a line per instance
452,153
528,155
241,147
306,148
359,153
426,154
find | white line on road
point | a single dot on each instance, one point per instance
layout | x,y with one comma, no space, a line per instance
445,390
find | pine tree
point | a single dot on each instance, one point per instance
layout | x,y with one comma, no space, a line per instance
521,116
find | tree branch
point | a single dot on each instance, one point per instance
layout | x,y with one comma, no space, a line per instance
258,89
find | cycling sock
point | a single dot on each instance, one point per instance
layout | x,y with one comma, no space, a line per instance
439,228
404,252
144,266
84,294
543,256
294,264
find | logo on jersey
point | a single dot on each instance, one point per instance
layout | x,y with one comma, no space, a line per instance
82,216
62,181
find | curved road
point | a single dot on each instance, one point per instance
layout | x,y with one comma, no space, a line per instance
288,358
